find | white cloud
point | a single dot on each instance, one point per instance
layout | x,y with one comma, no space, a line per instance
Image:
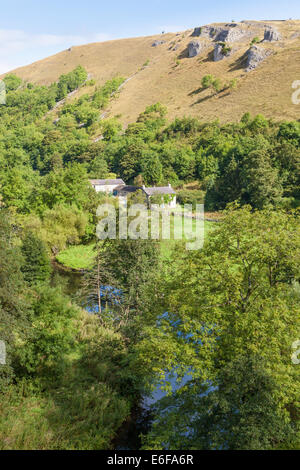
19,48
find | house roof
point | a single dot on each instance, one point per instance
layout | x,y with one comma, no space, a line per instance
107,182
159,190
124,190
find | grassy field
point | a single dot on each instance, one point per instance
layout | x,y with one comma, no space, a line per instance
77,257
174,79
81,256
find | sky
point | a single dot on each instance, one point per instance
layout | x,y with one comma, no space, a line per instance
33,29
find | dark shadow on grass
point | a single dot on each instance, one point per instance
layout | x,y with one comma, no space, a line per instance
219,95
196,92
202,100
209,57
240,63
184,54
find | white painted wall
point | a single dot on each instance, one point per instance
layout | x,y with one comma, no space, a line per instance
172,203
108,188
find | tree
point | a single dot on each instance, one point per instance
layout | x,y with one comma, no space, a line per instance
36,267
12,82
261,182
152,170
153,117
206,81
217,85
14,305
238,413
133,269
53,330
98,168
235,298
95,282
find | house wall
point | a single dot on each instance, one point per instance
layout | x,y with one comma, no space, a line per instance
172,203
107,188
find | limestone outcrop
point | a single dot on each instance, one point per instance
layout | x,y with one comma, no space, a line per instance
271,34
194,48
255,56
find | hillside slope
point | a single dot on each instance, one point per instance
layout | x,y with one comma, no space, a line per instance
167,74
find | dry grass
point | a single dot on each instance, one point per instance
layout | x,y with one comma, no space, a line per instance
266,90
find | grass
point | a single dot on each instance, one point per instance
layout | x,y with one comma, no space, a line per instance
77,257
161,82
79,408
80,257
188,235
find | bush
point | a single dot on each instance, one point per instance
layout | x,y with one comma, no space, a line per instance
254,41
37,264
207,81
217,85
186,196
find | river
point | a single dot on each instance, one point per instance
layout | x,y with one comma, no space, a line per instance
139,421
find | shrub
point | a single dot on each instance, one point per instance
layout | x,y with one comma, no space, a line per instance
207,81
217,85
254,40
186,196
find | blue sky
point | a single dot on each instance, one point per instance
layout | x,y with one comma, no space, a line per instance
33,29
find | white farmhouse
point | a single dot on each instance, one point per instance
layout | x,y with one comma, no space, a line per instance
106,186
167,193
166,196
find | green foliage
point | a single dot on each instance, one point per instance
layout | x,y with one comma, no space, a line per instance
83,405
152,170
186,196
240,413
153,116
209,81
70,82
226,49
233,84
237,306
52,331
14,306
77,257
217,85
12,82
63,226
206,81
133,267
261,180
70,382
255,41
98,168
36,267
38,158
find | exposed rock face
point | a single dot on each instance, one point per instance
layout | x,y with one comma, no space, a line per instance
231,34
206,32
271,34
221,51
255,56
194,48
228,33
218,54
210,31
158,43
295,35
196,32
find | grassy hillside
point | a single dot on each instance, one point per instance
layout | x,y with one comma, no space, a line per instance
171,77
